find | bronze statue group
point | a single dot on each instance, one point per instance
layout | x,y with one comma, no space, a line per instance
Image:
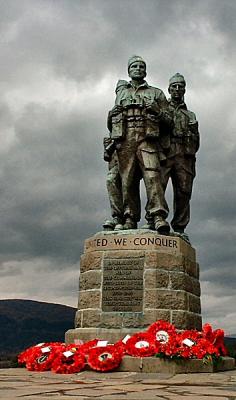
152,139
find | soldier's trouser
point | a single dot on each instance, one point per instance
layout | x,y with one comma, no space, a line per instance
114,188
181,170
137,158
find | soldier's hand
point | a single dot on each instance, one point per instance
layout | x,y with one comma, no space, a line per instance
148,103
152,107
117,109
107,141
193,126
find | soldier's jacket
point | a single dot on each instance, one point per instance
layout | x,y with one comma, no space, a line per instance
133,101
183,137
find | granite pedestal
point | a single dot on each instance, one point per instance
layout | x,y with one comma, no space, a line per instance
130,279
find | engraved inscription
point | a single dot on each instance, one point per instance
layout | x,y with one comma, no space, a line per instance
123,285
136,241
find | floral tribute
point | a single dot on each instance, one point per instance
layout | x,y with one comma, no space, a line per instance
141,345
40,358
105,358
68,361
161,339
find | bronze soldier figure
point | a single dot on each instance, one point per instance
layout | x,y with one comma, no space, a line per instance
113,182
114,188
181,144
134,122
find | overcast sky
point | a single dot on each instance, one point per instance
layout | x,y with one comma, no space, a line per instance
60,61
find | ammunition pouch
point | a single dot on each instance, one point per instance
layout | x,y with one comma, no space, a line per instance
152,126
135,117
118,127
191,144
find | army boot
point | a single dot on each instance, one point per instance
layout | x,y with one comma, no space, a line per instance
108,225
130,224
161,225
118,224
149,224
114,224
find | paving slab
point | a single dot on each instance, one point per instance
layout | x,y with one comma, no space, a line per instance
22,384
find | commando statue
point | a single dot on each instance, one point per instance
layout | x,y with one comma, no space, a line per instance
134,124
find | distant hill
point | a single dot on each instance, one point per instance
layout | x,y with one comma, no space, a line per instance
27,322
230,342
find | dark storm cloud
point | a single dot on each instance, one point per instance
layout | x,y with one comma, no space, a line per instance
48,205
60,63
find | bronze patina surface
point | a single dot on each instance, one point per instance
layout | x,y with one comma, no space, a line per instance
151,139
135,123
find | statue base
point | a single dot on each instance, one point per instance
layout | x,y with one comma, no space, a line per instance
130,279
165,366
158,365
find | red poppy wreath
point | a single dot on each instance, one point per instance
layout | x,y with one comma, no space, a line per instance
68,361
86,347
215,337
24,355
186,342
162,331
41,358
141,345
104,358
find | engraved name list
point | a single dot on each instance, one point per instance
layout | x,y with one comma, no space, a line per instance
123,285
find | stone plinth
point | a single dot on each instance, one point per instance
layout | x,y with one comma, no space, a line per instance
165,366
130,279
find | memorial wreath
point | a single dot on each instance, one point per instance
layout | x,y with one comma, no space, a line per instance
161,339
